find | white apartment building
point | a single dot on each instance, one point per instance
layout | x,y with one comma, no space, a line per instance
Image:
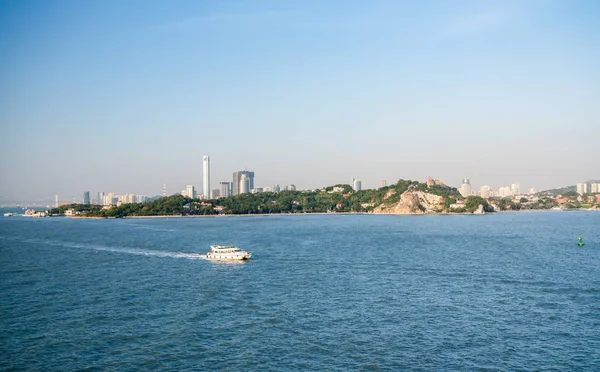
465,188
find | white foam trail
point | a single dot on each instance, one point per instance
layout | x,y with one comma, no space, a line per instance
126,250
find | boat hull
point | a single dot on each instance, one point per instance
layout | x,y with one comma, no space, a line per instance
243,257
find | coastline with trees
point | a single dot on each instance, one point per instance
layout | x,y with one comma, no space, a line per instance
404,197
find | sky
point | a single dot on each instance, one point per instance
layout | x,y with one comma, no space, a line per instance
125,96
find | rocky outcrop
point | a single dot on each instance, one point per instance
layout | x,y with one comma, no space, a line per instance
412,202
479,210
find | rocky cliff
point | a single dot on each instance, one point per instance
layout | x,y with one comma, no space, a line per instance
412,202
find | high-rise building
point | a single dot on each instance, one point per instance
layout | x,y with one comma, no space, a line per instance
190,191
595,188
504,191
216,193
56,201
86,198
356,184
582,188
291,187
244,184
515,189
276,188
206,175
110,199
383,183
485,191
465,188
237,178
224,190
99,197
126,199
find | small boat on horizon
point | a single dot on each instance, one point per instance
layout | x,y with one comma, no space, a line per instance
227,253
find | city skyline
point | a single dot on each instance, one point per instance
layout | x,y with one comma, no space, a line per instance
96,95
226,189
245,183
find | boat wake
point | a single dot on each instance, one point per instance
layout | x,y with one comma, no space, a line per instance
125,250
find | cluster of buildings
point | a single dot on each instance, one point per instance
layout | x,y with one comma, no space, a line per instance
487,192
588,188
106,199
111,198
242,183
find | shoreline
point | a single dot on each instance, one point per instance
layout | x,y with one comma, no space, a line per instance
330,214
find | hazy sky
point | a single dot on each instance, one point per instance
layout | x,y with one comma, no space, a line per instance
123,96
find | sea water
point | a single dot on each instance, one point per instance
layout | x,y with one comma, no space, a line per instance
509,291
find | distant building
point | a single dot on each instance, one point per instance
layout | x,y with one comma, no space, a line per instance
515,189
244,184
225,189
356,184
110,199
276,188
504,191
107,200
291,187
127,199
190,191
485,191
206,175
257,190
237,179
465,188
595,188
216,193
383,183
86,198
582,188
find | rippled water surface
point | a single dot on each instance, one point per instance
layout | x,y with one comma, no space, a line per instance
498,292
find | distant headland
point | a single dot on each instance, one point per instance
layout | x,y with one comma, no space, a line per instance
405,197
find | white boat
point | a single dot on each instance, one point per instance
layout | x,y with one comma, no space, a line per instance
8,214
227,253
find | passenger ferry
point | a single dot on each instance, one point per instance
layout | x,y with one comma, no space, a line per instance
228,253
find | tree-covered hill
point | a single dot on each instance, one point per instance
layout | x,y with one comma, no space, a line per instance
337,198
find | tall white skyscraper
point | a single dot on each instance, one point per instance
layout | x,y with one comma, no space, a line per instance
206,163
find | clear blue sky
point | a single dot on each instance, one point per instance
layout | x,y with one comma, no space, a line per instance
124,96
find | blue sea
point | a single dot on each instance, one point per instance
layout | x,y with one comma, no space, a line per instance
502,292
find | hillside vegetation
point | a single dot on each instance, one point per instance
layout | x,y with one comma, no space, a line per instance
337,198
